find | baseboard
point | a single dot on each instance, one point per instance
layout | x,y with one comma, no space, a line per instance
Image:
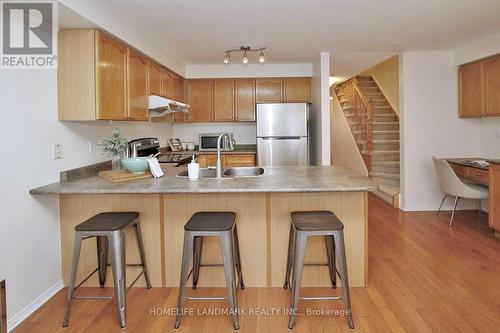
33,306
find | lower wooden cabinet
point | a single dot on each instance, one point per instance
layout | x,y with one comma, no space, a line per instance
228,160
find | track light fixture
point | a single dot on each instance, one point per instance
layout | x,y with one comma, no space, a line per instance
245,50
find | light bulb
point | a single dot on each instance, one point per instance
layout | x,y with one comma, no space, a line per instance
226,59
245,58
262,58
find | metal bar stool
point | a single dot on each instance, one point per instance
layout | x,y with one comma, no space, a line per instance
316,223
108,228
211,224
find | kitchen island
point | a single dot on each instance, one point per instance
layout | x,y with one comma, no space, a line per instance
262,204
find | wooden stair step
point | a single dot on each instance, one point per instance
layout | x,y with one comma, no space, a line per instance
386,163
386,175
379,152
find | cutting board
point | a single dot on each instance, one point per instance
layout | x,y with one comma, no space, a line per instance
122,175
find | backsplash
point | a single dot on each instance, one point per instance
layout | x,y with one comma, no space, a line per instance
244,133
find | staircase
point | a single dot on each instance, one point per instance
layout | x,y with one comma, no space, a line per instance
375,127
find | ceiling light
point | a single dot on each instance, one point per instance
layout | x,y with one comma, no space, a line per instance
245,50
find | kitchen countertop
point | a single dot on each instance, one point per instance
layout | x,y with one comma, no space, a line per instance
275,179
238,149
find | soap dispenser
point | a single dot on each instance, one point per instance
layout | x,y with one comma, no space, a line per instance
193,169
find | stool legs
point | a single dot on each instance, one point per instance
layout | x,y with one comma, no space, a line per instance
72,276
330,252
118,255
237,258
289,257
102,258
186,256
226,239
197,249
298,267
140,245
340,250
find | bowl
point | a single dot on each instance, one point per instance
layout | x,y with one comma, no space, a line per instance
136,165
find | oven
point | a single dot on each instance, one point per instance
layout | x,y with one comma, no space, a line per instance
151,146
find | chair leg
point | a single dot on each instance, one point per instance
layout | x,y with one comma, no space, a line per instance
453,212
102,258
118,258
238,258
197,250
72,276
330,252
340,252
442,202
186,257
289,261
227,256
298,267
140,245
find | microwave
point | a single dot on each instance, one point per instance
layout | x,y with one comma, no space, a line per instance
208,142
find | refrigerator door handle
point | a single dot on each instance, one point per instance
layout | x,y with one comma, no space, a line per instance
281,138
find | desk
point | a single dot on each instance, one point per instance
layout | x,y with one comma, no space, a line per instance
489,176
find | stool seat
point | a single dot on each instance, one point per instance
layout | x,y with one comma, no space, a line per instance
110,221
316,220
211,221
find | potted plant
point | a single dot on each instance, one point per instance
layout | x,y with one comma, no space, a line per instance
115,146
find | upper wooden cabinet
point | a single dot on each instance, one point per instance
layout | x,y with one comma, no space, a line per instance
224,100
269,90
479,88
154,79
200,100
245,100
101,78
137,86
297,90
179,96
492,86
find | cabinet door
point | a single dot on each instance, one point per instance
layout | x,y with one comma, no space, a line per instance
200,100
239,160
297,90
137,86
492,86
209,160
179,97
471,90
167,84
245,100
224,100
111,78
269,90
154,79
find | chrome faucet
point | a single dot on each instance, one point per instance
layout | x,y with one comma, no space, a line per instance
218,165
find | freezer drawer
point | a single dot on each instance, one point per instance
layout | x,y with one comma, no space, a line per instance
283,119
282,151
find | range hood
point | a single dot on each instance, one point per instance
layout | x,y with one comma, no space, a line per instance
160,106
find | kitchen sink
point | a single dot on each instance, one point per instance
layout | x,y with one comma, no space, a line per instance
237,172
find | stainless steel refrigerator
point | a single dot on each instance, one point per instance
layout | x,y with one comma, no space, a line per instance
282,134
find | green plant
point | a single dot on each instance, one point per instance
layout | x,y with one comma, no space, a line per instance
115,144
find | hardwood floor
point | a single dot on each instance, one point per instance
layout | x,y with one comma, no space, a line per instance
423,277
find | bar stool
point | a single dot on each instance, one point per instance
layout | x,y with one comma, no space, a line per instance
109,229
316,223
211,224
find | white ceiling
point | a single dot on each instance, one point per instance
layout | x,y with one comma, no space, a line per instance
356,33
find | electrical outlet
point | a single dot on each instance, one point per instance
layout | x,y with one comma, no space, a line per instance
92,146
57,151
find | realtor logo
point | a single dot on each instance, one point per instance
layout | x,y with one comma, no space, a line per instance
28,34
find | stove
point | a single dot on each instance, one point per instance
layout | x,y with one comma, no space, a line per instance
150,146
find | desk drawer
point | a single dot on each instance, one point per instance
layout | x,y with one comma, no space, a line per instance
460,170
478,175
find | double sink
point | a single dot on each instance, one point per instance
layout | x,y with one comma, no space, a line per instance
237,172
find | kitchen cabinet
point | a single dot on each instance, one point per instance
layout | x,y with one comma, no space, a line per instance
224,100
492,86
269,90
200,100
167,84
297,90
179,117
154,79
228,160
111,78
245,100
479,88
137,86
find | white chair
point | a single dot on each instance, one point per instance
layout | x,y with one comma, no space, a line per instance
452,185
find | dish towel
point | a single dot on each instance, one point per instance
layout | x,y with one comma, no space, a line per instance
155,167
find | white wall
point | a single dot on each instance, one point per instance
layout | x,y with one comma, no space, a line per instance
244,133
319,116
430,125
248,70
